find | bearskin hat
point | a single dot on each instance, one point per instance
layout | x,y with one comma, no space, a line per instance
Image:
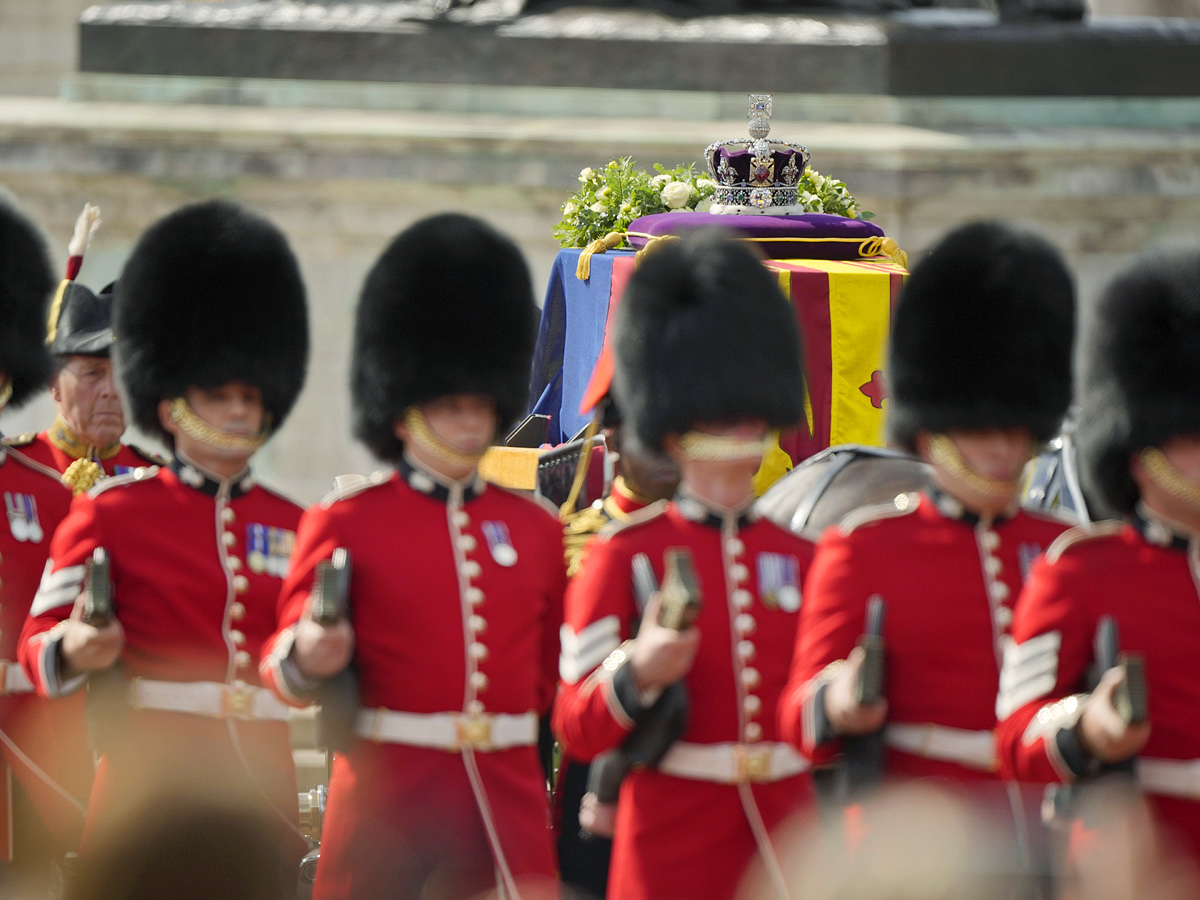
211,294
26,285
1139,371
981,336
84,326
447,309
704,333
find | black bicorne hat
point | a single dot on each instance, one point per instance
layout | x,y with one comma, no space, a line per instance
981,337
447,309
704,333
84,322
1139,371
26,287
211,294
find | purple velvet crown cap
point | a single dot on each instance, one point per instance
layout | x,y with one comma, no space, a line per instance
807,236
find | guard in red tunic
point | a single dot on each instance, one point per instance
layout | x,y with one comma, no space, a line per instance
980,373
1139,452
455,601
708,360
47,768
84,443
212,338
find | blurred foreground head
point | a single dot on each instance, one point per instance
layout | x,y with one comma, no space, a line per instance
185,848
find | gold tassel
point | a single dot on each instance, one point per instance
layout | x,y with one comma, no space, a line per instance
884,246
610,241
82,475
652,246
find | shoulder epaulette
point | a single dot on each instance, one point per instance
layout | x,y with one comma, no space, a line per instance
20,457
635,519
579,528
1081,534
155,459
529,497
1053,516
278,495
903,505
21,440
347,486
142,473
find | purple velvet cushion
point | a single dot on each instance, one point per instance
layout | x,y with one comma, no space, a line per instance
808,236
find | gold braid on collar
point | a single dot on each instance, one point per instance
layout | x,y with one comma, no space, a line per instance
196,428
64,437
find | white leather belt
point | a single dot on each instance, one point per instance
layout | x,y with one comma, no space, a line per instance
973,749
1173,777
13,679
731,763
449,731
207,698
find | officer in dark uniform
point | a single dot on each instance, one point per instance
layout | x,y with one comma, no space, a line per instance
47,769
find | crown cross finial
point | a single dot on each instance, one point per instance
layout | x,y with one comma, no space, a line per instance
759,114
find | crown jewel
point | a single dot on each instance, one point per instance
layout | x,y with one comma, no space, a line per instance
756,174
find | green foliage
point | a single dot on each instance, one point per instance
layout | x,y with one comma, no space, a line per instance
611,197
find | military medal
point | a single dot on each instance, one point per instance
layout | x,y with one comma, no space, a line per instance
256,548
23,518
779,581
499,541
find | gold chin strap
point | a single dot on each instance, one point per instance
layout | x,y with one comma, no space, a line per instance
700,447
945,453
1164,474
5,393
195,427
421,434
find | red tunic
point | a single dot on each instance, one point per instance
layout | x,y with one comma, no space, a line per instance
44,743
41,449
1147,581
196,568
682,837
456,603
948,582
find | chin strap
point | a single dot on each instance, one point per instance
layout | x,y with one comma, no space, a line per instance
700,447
196,428
945,453
1164,474
423,436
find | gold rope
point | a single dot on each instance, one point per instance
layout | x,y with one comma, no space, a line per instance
700,447
944,452
195,427
81,476
1164,474
585,458
611,241
421,434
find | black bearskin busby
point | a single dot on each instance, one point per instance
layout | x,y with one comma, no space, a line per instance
447,309
84,326
26,286
981,337
704,333
1139,371
211,294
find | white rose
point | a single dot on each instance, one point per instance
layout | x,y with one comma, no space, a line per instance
586,174
660,179
597,207
705,183
704,205
680,209
570,209
676,194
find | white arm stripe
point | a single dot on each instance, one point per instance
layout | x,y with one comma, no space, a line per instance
57,588
584,650
1030,671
